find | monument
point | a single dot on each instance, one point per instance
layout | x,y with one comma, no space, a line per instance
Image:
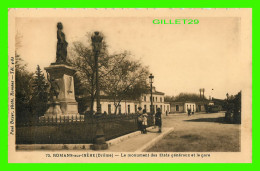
62,103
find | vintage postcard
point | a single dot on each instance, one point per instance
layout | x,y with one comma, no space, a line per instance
130,85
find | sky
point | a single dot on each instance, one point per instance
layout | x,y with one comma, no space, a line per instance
182,58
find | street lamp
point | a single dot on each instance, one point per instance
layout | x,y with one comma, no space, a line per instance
227,105
100,141
212,93
151,77
227,96
97,44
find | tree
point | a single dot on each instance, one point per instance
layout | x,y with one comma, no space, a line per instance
23,90
126,80
169,98
82,58
116,72
233,106
23,80
40,93
182,97
18,42
80,93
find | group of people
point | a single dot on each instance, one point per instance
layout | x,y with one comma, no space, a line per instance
143,117
190,113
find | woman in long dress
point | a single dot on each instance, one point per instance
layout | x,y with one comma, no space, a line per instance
144,123
61,53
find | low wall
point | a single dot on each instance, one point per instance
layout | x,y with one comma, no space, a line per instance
76,132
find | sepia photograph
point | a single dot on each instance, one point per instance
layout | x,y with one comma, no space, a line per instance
130,85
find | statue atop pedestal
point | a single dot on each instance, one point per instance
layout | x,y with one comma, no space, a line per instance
61,53
62,103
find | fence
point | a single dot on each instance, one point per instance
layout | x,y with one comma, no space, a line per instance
79,131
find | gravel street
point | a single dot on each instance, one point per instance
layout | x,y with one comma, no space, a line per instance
199,132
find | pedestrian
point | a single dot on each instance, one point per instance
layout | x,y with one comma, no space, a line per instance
144,122
153,120
189,111
158,119
139,119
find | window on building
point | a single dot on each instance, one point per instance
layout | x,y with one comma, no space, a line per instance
161,108
109,108
128,109
193,108
168,108
145,98
177,107
145,108
156,99
160,99
153,99
135,108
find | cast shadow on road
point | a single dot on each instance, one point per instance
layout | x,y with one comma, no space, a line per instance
153,130
216,120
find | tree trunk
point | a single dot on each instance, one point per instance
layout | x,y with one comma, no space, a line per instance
115,109
116,106
91,104
92,94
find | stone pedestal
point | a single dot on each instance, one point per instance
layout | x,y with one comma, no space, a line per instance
54,109
65,105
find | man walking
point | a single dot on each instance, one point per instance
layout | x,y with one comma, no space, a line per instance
158,119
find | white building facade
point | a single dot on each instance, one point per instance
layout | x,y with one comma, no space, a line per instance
125,106
131,106
183,107
158,102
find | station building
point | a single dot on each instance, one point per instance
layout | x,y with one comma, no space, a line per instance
131,106
183,107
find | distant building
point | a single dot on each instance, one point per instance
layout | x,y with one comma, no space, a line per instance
125,106
201,106
158,101
131,106
182,107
